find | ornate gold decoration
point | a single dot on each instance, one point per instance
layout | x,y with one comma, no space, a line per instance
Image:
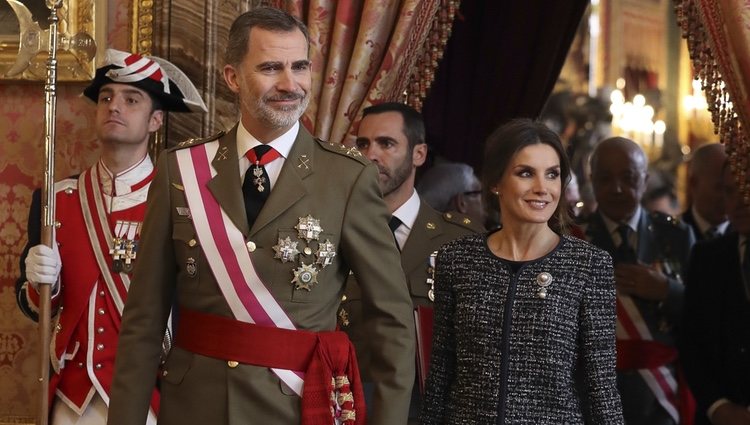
143,26
711,54
423,72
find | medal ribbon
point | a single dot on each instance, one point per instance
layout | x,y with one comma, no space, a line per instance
631,326
224,247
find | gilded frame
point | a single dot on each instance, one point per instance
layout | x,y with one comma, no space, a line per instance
86,18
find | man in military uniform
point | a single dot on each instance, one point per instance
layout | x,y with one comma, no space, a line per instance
715,343
707,214
99,215
650,253
254,234
392,136
453,186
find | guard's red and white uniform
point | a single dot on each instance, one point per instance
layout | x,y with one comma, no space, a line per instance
90,305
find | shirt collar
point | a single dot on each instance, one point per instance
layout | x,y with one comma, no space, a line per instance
704,225
283,144
408,211
127,179
632,223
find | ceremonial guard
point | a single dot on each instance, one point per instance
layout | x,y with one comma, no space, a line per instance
650,253
392,136
99,217
254,232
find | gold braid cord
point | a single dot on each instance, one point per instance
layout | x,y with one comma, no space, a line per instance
423,71
712,58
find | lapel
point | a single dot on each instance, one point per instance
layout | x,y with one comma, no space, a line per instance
648,248
599,235
413,254
226,186
291,186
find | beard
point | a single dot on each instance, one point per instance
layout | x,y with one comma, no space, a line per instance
282,117
396,177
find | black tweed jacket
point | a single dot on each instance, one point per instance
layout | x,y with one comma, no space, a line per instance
502,354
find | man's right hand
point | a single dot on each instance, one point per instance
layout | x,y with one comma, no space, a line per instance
43,266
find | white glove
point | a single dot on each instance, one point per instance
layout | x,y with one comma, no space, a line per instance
43,266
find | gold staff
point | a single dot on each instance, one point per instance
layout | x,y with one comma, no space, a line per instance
48,209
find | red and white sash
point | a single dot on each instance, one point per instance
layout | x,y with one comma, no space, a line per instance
224,247
631,326
100,235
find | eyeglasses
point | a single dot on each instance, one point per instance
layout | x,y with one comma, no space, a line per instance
473,192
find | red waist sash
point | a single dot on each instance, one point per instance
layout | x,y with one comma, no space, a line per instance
332,386
641,354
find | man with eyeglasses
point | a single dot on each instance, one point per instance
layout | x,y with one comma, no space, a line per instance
453,187
392,136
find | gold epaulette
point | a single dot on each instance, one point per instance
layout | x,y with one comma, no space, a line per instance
194,141
341,149
462,220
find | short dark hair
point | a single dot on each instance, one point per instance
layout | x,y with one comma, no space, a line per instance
504,143
413,123
267,18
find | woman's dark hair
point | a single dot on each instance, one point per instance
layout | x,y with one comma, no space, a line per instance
504,143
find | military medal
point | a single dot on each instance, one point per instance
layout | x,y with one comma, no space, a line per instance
258,179
325,254
124,245
544,280
308,228
190,267
305,277
431,276
286,250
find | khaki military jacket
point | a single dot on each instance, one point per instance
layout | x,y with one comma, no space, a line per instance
431,230
331,184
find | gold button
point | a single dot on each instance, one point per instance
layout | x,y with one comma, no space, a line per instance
100,330
101,312
308,251
233,364
57,224
430,226
58,327
68,190
80,365
467,221
250,246
100,347
192,242
448,215
98,366
101,293
165,373
343,298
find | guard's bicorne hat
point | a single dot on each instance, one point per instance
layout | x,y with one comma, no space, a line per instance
157,76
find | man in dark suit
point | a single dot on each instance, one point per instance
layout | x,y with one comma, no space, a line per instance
707,213
392,135
257,268
650,253
715,343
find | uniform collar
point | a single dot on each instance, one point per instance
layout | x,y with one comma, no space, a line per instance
127,181
283,144
408,211
632,223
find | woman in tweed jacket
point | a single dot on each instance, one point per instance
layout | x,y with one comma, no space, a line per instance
524,317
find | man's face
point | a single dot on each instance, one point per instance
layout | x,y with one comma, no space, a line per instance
737,210
124,115
619,180
707,194
381,139
273,80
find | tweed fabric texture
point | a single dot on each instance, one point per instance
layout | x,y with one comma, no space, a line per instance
561,357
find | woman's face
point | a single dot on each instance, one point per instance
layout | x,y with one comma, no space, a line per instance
529,190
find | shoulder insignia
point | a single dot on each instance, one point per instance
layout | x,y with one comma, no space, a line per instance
68,186
462,220
194,141
341,149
